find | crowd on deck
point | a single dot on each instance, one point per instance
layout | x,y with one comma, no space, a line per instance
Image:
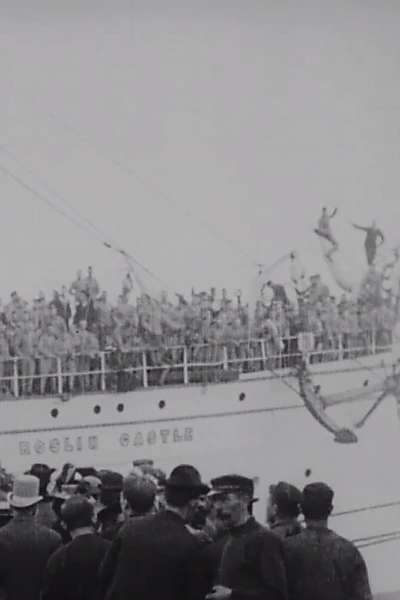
82,534
80,321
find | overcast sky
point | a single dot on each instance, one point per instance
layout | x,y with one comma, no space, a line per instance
249,114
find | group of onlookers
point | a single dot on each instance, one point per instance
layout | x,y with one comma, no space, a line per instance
94,535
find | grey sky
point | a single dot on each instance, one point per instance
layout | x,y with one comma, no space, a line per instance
249,114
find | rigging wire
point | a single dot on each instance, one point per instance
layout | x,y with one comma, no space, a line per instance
84,228
162,195
101,234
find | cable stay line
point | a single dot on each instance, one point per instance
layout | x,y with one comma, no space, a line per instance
134,174
84,228
103,235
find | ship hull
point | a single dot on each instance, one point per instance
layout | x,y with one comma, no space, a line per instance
258,426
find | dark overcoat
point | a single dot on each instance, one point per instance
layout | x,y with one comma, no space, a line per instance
253,564
322,565
72,571
152,558
25,548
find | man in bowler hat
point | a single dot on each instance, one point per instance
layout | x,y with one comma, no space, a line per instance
252,561
156,556
109,511
322,565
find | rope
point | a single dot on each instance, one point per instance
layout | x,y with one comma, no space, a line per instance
162,195
85,229
365,509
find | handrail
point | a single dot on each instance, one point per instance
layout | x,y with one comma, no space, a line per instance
127,370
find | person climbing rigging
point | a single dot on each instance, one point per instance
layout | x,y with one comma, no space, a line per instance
371,239
324,230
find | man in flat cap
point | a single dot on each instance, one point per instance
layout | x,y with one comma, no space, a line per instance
322,565
284,509
252,562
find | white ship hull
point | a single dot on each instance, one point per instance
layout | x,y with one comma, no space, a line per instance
258,426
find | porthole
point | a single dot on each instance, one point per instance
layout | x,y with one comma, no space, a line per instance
307,472
97,409
161,404
54,413
242,396
120,407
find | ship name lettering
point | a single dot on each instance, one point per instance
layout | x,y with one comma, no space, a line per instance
154,437
57,445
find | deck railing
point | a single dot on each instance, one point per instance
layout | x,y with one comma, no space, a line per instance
117,371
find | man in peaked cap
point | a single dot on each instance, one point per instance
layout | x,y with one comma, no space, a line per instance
25,544
284,509
315,554
156,556
252,562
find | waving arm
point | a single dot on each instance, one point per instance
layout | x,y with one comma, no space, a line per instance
359,227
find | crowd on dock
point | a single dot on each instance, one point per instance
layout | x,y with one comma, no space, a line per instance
95,535
79,322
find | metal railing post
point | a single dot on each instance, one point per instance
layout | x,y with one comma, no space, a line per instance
144,365
59,376
103,371
263,354
185,367
224,358
15,377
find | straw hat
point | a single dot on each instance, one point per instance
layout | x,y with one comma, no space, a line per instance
25,492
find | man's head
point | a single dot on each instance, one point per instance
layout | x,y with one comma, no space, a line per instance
138,495
231,498
90,487
43,473
111,487
25,495
198,512
183,488
316,502
283,502
77,513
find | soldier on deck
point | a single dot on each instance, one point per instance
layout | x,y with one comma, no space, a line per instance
65,351
6,365
47,359
324,230
373,239
26,348
87,351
